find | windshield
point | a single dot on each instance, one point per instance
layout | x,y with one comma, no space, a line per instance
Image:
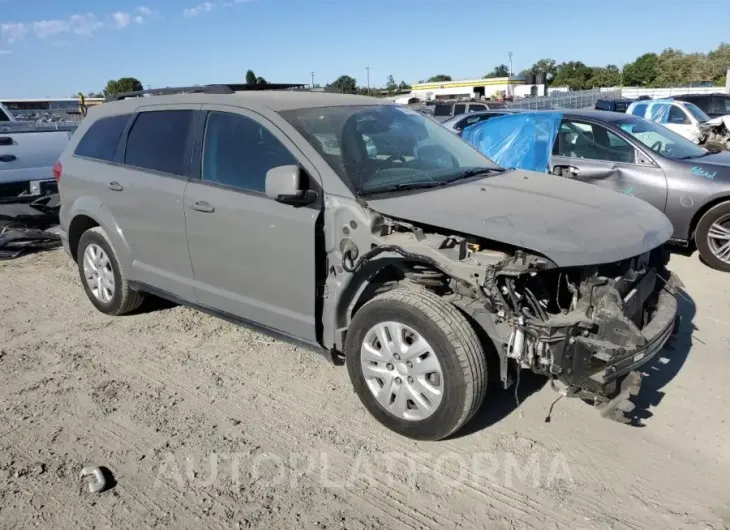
697,112
379,147
660,139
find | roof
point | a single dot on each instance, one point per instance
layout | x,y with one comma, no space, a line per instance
276,100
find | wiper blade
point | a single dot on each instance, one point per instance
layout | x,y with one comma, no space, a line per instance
473,173
405,186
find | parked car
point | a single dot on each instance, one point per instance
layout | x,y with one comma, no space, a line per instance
458,123
686,119
5,114
613,105
634,156
27,154
714,105
442,111
423,265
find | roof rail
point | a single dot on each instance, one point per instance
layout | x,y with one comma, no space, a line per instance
205,89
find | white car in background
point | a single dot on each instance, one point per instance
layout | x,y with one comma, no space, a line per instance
685,119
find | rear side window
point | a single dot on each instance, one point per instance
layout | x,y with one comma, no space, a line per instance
459,109
238,152
102,138
639,110
476,108
442,110
159,141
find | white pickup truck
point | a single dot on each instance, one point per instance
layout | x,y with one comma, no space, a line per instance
27,154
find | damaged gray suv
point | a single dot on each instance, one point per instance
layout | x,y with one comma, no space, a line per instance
373,234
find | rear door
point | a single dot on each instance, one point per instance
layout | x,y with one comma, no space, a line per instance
144,192
592,153
253,257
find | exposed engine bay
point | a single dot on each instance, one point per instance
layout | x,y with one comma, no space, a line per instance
715,133
584,326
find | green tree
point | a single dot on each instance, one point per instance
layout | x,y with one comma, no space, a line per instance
260,81
499,71
543,66
439,78
719,62
345,84
604,77
251,78
124,84
573,74
404,86
391,85
641,72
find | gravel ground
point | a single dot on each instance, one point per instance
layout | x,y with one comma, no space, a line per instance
203,424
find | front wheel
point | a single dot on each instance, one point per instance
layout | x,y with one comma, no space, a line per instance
416,363
713,237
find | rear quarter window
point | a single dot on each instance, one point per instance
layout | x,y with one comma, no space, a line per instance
159,141
639,110
101,139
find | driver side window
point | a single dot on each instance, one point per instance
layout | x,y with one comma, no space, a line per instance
677,116
592,142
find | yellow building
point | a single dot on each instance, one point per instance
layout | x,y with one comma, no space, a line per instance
476,88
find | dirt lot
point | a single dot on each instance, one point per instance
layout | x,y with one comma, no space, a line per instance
207,425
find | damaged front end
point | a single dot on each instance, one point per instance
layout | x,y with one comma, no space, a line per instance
715,133
589,327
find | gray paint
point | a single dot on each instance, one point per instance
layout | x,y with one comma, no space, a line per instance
670,185
570,223
34,152
239,257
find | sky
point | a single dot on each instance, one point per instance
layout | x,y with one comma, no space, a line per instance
56,48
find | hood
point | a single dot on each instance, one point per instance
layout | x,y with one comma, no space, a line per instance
715,159
720,120
571,223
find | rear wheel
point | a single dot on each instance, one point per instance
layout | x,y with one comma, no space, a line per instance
104,282
713,237
416,364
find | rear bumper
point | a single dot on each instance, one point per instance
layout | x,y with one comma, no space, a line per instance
599,366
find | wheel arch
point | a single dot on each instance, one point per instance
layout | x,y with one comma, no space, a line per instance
709,205
86,213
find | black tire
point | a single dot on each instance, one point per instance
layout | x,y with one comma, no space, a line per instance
125,299
460,354
703,228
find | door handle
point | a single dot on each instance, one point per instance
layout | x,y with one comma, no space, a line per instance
202,206
566,171
115,186
8,158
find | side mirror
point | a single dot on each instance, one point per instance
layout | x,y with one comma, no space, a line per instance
284,184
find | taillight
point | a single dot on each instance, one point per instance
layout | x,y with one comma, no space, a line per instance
57,170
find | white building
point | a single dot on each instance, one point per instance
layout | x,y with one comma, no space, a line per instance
477,88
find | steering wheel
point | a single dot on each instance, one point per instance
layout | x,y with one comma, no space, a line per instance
657,147
395,158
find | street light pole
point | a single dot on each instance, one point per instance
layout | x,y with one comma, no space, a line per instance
510,63
312,79
367,68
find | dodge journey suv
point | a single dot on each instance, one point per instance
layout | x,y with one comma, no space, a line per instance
371,233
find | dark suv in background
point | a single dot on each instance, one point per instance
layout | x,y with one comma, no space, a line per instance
714,105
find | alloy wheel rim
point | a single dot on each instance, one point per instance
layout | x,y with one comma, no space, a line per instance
98,273
718,239
402,371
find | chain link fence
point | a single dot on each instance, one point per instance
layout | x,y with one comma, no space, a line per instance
566,100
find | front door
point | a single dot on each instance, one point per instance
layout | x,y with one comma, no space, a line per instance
253,258
591,153
679,121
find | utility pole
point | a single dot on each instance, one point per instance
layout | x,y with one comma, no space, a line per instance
510,63
367,68
312,79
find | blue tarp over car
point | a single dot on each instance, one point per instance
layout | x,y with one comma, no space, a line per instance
523,140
